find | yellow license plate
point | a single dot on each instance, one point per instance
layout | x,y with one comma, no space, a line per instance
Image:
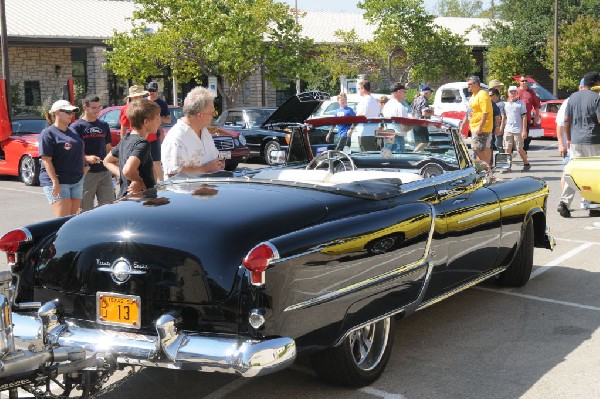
118,310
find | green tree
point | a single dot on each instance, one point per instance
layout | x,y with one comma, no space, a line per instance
407,46
227,38
578,50
460,8
504,62
526,26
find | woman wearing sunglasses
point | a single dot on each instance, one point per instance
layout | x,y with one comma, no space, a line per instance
61,151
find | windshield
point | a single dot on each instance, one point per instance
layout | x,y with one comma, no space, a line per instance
28,125
258,116
542,93
176,113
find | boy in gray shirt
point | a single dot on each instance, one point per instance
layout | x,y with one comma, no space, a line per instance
515,130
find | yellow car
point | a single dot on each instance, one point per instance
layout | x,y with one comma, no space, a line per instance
584,174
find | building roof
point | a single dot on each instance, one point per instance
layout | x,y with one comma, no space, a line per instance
97,19
322,25
67,19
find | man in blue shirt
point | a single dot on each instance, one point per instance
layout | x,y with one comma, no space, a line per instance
96,136
344,132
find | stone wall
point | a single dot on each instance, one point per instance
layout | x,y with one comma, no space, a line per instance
51,66
97,76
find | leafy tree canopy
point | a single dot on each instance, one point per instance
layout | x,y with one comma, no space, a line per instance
407,46
577,51
461,9
227,38
527,27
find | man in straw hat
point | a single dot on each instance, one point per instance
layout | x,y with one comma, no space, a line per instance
135,93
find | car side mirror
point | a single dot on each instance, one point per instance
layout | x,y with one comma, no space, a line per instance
502,161
277,157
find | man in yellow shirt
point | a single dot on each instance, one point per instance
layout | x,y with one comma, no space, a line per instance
481,120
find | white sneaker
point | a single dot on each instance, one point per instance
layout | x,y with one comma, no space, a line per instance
585,204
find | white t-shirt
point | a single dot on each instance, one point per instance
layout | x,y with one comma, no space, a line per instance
183,148
394,108
514,116
368,106
560,119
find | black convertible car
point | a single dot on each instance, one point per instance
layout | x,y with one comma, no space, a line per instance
336,248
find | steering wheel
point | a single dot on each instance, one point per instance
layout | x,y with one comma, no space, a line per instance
331,158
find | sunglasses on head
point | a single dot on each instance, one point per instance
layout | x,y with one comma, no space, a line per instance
67,111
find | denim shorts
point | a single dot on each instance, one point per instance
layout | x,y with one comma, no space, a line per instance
74,191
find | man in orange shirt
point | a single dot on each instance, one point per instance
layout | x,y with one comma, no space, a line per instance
481,120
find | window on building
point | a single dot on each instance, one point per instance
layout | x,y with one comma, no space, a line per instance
33,95
79,61
285,92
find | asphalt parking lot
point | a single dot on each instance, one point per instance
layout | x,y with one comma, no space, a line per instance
539,341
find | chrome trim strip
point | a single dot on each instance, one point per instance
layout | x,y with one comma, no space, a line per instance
513,204
479,215
460,288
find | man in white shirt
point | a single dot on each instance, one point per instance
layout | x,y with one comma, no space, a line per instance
369,107
394,107
189,147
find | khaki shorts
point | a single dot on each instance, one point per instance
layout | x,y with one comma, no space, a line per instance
513,140
480,142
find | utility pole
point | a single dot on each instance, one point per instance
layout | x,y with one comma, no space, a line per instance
296,17
555,83
4,44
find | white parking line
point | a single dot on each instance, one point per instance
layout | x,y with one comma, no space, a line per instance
539,298
560,259
381,394
22,191
228,389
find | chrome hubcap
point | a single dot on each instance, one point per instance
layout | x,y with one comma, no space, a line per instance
27,169
368,344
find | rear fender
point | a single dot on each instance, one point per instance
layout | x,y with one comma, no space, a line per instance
327,268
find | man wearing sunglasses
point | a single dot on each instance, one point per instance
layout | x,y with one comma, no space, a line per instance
532,104
481,120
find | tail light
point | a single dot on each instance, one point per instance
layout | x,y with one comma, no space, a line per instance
10,242
257,260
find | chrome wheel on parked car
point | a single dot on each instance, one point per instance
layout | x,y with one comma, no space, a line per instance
361,357
29,171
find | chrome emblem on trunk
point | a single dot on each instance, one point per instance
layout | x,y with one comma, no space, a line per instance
120,270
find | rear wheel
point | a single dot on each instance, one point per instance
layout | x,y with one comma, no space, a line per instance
360,359
519,271
29,171
270,146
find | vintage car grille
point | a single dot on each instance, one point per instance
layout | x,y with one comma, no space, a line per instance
223,143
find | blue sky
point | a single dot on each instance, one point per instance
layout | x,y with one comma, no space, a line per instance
346,5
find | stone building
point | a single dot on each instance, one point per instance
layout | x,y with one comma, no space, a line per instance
52,40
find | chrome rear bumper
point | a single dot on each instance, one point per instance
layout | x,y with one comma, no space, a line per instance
170,348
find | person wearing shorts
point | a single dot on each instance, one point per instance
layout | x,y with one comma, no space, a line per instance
61,152
481,120
515,130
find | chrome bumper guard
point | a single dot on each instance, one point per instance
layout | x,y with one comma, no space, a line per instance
170,348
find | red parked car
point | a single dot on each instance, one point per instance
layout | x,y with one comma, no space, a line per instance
231,145
548,112
19,152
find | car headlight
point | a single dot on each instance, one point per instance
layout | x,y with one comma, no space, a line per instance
242,139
